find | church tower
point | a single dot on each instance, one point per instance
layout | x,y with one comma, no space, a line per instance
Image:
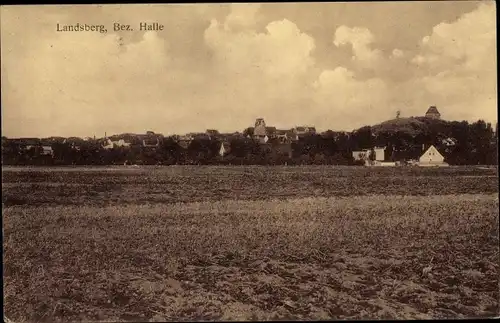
260,128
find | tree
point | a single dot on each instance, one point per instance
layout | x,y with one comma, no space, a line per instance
480,138
362,138
170,151
311,145
63,153
200,150
248,132
372,156
329,134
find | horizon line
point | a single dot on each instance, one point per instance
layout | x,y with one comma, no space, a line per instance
493,125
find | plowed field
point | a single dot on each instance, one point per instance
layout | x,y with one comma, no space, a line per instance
247,243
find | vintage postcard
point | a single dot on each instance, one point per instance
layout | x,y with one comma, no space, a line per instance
260,161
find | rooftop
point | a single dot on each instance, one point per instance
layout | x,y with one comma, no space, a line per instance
433,109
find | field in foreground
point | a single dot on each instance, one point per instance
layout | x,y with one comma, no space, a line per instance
305,250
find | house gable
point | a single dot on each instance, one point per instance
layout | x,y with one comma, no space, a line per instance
224,148
431,155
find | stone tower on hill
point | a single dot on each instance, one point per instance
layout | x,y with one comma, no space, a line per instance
433,113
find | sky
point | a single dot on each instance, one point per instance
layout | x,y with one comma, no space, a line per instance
335,66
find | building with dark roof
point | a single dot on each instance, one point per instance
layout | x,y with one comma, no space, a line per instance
212,133
304,130
433,113
271,131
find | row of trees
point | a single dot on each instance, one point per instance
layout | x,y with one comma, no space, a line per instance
169,152
471,143
474,143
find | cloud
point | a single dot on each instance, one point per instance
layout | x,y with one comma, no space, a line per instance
242,16
454,68
361,40
264,71
418,59
282,51
457,65
351,101
223,66
87,79
468,40
397,53
259,72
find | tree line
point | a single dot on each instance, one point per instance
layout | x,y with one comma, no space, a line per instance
472,144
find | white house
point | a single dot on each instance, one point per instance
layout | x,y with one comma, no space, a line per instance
360,155
431,157
47,151
108,145
365,154
121,143
379,154
285,136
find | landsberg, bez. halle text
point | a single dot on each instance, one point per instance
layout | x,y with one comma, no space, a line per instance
81,27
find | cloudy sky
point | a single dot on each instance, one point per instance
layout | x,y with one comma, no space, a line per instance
333,65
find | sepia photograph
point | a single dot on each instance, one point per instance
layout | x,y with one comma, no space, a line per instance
249,161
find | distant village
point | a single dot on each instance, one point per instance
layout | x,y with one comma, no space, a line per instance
260,144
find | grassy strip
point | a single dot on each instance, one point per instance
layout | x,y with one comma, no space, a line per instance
82,187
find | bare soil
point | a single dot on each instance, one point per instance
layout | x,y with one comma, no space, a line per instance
128,255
